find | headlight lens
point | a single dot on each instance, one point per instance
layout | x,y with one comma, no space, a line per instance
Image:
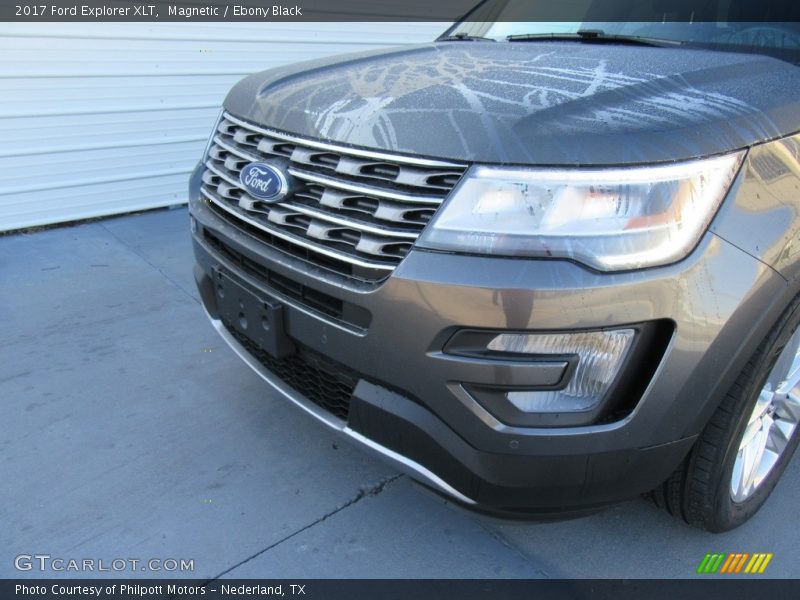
609,219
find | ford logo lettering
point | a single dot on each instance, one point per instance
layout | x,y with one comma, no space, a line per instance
264,182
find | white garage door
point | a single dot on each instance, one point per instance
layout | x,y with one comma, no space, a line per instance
97,119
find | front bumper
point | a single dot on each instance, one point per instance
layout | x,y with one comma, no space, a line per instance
408,400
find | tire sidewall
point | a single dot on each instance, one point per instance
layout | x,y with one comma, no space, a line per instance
727,513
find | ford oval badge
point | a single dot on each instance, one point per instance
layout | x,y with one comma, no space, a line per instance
264,181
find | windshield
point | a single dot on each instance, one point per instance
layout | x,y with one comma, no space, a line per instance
729,25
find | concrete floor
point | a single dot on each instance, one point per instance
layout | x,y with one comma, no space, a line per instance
129,430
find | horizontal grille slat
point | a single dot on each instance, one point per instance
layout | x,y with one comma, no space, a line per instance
366,190
286,233
360,210
351,223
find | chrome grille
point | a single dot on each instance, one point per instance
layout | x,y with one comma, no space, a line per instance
354,211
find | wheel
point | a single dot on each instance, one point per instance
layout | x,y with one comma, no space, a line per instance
742,452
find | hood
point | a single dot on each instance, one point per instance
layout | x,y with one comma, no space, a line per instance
551,103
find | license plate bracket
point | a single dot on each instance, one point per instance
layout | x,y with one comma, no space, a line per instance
260,319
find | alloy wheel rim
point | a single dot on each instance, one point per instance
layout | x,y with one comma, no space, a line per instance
771,425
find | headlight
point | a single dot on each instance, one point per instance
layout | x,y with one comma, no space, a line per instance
610,219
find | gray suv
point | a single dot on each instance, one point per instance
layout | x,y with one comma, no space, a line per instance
540,270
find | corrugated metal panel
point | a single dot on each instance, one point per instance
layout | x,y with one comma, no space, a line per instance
98,119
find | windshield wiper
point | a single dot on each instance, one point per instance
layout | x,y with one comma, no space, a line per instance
463,37
593,36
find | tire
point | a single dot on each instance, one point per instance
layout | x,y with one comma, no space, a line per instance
704,491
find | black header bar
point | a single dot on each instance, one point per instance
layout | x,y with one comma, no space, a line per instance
709,588
682,11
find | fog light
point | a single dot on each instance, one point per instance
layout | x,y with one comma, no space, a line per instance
192,224
600,356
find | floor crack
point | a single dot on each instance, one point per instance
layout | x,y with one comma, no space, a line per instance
500,538
365,491
150,263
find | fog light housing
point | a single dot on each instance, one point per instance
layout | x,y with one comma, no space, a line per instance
600,357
